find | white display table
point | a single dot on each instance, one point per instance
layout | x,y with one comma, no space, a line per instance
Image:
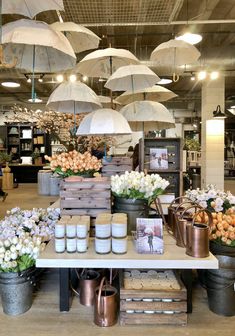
174,257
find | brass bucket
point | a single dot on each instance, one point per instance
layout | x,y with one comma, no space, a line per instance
106,305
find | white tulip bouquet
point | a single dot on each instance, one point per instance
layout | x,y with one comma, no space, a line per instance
137,185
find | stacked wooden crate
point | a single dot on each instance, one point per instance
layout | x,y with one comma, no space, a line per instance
118,165
145,301
88,196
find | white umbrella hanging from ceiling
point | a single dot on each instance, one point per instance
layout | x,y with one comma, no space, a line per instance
132,77
73,97
148,116
104,122
30,8
103,62
80,37
36,47
174,53
155,93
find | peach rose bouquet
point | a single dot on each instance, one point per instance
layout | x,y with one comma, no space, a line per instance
74,163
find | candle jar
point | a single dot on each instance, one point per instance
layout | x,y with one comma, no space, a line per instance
71,245
82,230
103,246
71,230
103,230
119,245
59,230
59,245
82,245
119,230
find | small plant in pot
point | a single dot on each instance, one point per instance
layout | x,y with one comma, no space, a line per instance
37,158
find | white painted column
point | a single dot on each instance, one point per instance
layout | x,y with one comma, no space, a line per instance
212,139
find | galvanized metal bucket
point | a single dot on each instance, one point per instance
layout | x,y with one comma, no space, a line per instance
16,291
55,185
134,208
220,287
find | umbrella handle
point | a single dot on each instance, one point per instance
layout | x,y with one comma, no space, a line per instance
175,77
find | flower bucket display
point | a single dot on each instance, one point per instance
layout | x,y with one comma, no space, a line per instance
74,163
16,291
23,235
133,192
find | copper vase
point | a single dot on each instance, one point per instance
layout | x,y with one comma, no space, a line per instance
88,283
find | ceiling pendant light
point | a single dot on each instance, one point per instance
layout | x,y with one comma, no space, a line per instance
164,81
10,84
218,114
187,36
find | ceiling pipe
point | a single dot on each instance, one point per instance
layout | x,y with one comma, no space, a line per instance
172,23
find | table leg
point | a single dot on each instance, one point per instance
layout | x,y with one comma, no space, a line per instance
187,277
64,289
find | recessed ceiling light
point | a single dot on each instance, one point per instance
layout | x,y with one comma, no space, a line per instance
201,75
233,106
60,78
10,84
214,75
72,78
35,100
190,38
102,79
84,78
165,81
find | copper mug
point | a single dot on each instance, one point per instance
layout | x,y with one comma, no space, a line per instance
88,281
106,304
197,237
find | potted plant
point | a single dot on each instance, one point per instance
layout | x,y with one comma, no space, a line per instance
5,158
133,192
74,163
22,237
36,158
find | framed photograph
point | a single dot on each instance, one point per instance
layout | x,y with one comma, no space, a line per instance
149,235
158,158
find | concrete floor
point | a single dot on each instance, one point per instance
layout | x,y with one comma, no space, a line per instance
44,317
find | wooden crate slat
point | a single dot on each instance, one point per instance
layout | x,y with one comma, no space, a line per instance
116,168
142,305
86,203
93,184
89,212
85,193
171,319
117,160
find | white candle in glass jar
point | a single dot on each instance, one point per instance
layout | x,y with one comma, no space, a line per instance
82,230
103,246
59,230
103,230
119,245
71,245
119,230
82,245
71,230
59,245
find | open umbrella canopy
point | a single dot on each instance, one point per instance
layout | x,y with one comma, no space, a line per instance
102,63
80,37
73,97
132,77
174,53
155,93
104,122
148,116
30,8
36,46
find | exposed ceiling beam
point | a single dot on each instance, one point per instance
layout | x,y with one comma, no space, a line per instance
176,10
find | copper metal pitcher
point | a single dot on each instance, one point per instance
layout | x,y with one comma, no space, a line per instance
197,237
176,205
106,304
88,281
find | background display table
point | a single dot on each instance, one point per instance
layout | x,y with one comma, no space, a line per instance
174,257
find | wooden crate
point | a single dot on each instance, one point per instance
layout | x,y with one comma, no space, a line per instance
87,197
179,306
118,165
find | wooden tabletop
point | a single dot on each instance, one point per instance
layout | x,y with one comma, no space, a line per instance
174,257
